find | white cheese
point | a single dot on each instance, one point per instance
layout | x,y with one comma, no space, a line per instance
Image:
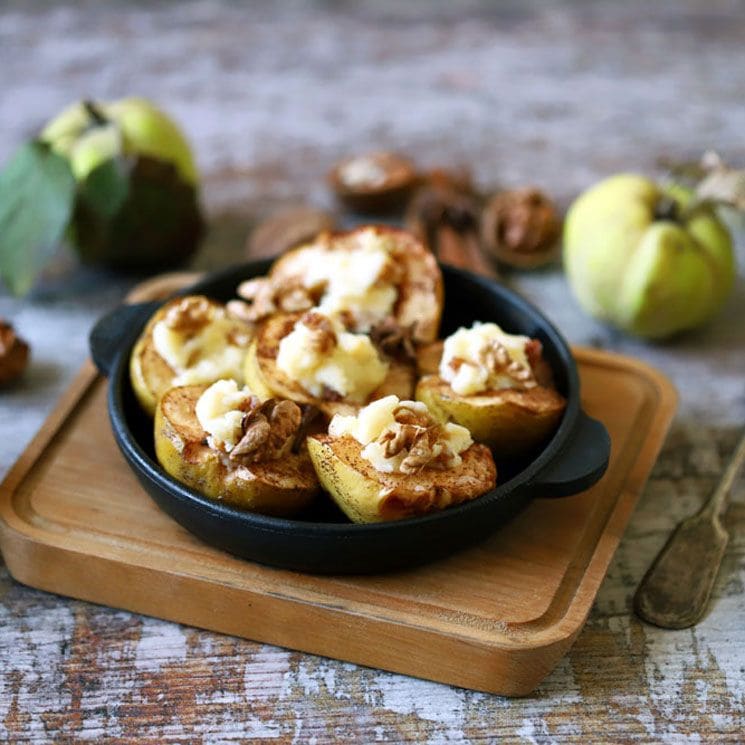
203,357
470,376
374,452
352,278
375,419
352,367
220,411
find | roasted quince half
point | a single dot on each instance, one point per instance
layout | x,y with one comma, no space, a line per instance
495,384
224,442
312,358
189,341
371,275
393,460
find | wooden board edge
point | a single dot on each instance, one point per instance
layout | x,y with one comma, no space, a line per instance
596,568
162,286
404,650
666,390
552,646
66,404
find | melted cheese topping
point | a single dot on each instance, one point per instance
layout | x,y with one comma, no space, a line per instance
376,418
352,279
466,347
352,367
203,357
220,413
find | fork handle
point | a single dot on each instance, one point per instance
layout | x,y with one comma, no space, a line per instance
715,504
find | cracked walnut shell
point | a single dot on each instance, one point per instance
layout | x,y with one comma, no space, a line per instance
521,228
14,354
374,183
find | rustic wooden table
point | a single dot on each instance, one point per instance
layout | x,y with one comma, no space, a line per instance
558,95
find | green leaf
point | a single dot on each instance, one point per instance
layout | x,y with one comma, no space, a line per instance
37,191
106,187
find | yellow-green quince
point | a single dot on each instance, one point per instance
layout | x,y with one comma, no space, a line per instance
90,133
639,259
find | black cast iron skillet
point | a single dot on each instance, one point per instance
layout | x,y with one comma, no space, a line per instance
322,540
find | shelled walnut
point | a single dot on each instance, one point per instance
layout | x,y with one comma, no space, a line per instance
190,315
14,354
265,296
422,439
269,430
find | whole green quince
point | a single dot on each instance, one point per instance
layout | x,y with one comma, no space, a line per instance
137,204
115,181
89,133
644,258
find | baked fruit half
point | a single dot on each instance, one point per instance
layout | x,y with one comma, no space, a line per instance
188,341
225,443
394,460
497,385
312,358
370,275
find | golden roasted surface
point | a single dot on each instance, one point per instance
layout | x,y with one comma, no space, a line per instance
509,421
264,378
366,495
274,487
150,374
420,290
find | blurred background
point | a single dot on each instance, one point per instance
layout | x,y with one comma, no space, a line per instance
271,95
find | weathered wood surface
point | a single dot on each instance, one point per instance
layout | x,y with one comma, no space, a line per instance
271,94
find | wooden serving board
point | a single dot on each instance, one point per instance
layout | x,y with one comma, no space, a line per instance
497,617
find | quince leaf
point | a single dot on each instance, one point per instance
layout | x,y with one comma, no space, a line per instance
37,193
106,187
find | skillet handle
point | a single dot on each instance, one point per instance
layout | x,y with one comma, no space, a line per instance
579,465
110,332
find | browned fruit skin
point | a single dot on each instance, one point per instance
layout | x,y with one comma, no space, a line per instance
511,422
150,374
277,487
355,485
266,380
388,196
14,354
420,292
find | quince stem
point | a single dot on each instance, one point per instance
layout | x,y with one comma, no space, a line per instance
95,113
667,209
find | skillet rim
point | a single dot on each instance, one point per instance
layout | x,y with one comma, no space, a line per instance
521,485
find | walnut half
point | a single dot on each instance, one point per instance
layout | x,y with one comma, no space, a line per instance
190,315
269,430
421,437
323,337
497,360
394,340
263,296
